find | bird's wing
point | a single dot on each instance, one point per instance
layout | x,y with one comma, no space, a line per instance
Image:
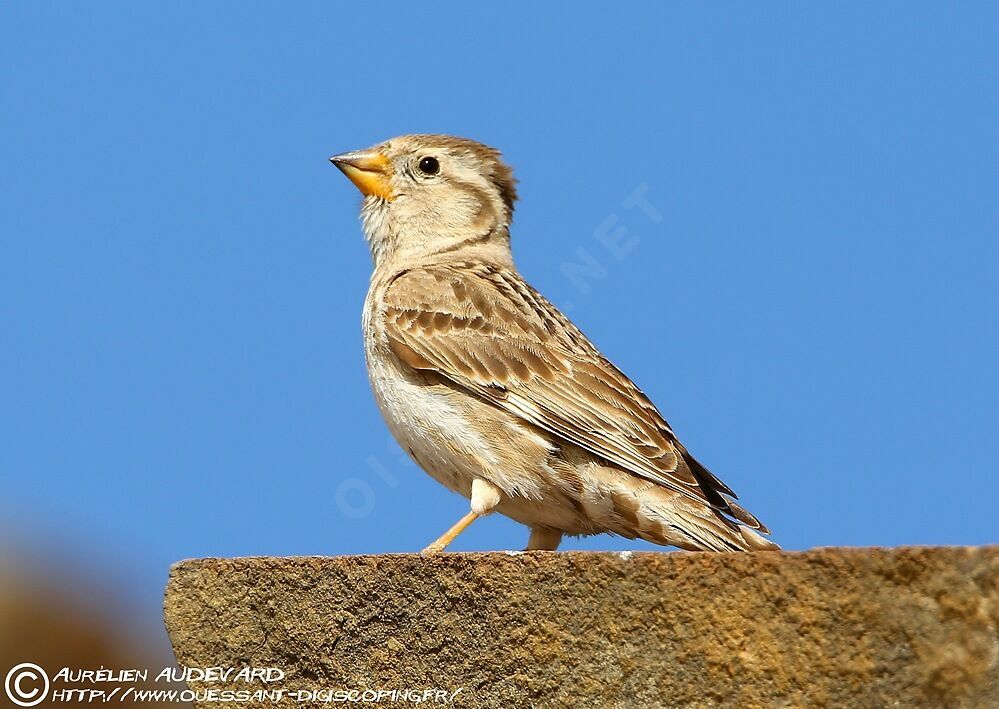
486,330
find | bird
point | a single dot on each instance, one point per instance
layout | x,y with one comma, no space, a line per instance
491,389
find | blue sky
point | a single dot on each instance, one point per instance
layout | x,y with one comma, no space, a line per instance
810,299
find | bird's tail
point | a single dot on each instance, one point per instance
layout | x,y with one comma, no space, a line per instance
732,524
620,503
755,541
664,516
703,528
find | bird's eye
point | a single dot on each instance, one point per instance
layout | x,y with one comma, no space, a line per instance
429,166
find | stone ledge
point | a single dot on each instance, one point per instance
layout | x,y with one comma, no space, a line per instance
828,627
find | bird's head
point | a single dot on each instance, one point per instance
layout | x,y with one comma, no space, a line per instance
430,194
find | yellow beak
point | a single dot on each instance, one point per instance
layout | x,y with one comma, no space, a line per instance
369,170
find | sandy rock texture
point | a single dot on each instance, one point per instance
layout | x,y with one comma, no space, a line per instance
837,627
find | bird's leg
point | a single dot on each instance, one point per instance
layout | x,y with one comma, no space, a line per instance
543,539
460,526
485,496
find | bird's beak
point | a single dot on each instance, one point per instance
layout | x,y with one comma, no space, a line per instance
369,170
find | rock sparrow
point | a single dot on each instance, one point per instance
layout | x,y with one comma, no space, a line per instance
491,389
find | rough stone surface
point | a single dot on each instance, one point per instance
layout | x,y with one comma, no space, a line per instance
828,627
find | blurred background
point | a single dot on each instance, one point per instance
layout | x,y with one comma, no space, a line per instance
805,283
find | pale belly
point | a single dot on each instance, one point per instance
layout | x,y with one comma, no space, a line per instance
434,424
429,426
